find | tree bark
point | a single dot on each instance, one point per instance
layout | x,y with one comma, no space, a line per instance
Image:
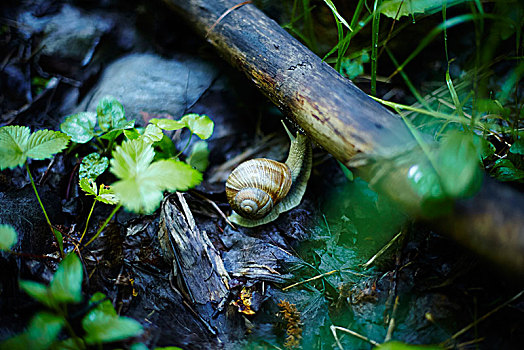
350,125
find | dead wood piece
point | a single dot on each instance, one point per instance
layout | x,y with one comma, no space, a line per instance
196,262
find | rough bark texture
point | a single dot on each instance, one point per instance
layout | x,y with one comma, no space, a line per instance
347,123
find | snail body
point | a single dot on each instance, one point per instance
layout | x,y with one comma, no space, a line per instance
260,189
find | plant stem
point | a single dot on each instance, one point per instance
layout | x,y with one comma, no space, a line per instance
185,147
87,221
45,213
374,46
104,225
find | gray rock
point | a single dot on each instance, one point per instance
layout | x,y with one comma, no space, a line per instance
152,84
70,34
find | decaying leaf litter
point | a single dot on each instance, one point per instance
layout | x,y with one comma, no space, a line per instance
423,289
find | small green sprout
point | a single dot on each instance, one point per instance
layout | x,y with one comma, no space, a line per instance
17,144
8,237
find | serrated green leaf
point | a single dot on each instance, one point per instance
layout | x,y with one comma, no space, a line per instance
168,124
131,158
92,166
13,144
80,126
138,196
102,327
110,113
66,285
142,182
107,195
173,175
8,237
199,156
44,144
39,292
200,125
88,186
152,133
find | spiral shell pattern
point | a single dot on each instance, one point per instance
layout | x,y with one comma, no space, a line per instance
255,186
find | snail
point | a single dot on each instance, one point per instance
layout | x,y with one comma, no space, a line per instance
260,189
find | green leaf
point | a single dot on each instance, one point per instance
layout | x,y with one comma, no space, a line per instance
92,166
107,195
137,196
102,324
132,134
88,186
44,144
173,175
8,237
505,170
142,182
80,126
104,304
201,125
70,344
40,335
152,133
43,329
390,8
13,144
199,156
168,124
39,292
517,147
66,285
169,348
165,148
458,165
396,345
131,158
110,113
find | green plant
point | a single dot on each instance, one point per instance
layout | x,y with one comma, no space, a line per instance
8,237
100,323
17,144
146,163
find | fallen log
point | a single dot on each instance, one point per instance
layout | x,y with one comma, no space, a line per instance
355,129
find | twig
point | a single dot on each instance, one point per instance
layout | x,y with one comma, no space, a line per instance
215,206
392,324
381,251
227,12
477,321
322,275
353,333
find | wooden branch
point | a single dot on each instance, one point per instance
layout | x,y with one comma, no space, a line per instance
347,123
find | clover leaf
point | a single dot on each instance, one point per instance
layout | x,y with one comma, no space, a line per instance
142,181
17,144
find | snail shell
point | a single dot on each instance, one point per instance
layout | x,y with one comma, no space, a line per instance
260,189
256,186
